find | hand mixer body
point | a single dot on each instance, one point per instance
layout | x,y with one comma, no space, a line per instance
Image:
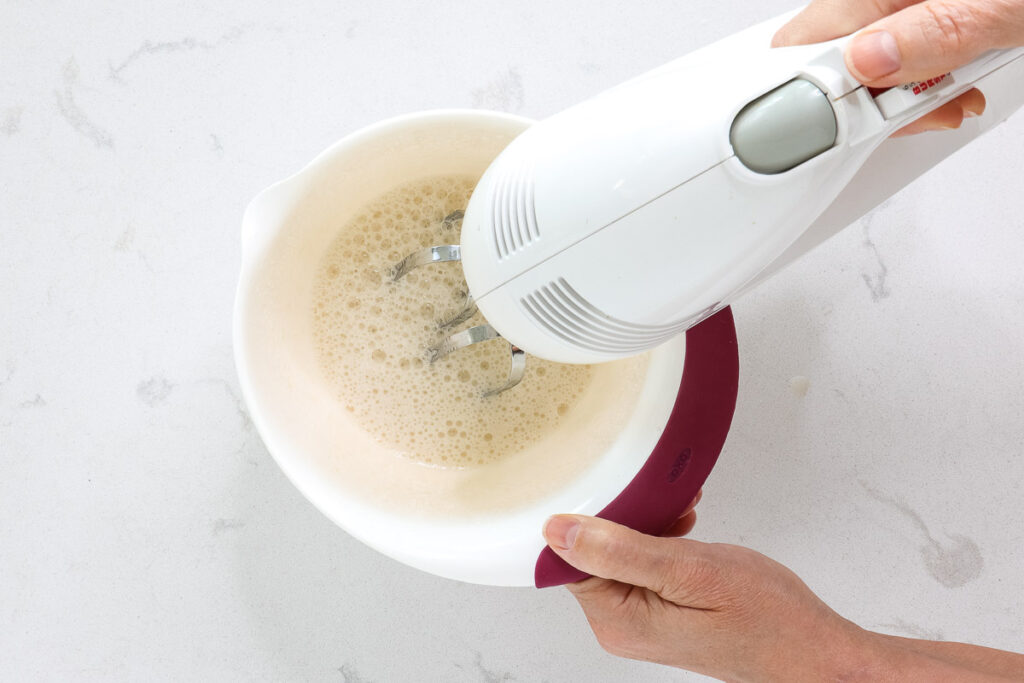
619,223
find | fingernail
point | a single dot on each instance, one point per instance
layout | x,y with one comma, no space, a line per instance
560,532
874,55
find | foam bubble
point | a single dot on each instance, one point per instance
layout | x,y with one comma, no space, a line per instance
371,335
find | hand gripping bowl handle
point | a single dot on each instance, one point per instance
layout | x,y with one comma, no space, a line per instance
687,450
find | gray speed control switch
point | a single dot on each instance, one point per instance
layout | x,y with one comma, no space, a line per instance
784,128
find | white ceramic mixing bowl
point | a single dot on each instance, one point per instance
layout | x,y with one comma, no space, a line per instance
286,231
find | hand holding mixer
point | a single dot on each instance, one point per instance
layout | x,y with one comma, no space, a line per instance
619,223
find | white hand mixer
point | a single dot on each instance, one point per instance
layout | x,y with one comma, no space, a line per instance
615,225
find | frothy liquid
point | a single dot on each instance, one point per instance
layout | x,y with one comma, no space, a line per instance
371,335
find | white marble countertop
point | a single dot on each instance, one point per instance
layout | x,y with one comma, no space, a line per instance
145,533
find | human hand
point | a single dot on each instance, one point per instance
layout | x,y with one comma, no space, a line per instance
733,613
910,40
717,609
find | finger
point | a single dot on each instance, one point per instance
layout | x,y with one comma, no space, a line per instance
948,116
686,521
681,526
930,38
827,19
693,503
668,566
596,589
621,616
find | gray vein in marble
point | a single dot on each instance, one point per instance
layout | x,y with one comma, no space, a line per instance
186,44
223,524
37,402
154,391
70,111
10,123
952,564
876,282
350,675
229,388
912,630
504,93
215,144
351,30
488,675
125,242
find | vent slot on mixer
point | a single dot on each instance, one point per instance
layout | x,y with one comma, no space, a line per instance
565,313
515,219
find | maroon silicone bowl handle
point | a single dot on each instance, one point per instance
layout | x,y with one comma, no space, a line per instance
687,450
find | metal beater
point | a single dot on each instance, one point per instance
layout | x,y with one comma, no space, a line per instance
474,335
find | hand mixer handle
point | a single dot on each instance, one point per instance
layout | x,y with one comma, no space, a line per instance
687,450
905,103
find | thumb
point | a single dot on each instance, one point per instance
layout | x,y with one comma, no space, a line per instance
678,569
930,38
